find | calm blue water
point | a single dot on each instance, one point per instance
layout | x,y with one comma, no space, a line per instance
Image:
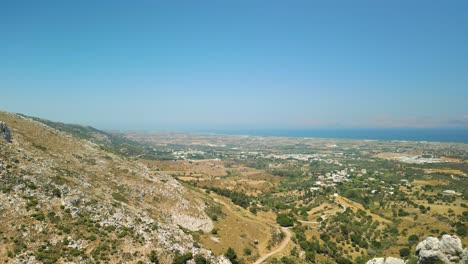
437,135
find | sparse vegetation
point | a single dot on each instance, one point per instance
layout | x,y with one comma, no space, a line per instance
342,206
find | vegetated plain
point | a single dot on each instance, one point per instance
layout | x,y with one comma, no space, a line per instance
344,200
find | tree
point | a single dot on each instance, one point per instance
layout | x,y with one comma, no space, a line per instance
286,260
284,220
310,256
461,229
405,252
231,255
343,260
413,239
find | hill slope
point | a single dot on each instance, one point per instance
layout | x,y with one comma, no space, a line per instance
112,142
65,199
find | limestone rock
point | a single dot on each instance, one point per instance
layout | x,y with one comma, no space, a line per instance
5,132
448,249
389,260
376,261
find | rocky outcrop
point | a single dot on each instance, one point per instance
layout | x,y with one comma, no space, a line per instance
389,260
5,132
448,249
431,250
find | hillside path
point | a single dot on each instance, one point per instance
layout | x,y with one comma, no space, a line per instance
279,249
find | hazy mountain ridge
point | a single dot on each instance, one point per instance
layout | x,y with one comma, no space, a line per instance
65,199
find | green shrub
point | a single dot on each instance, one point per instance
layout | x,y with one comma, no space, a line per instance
405,252
231,255
199,259
38,216
182,259
153,257
284,220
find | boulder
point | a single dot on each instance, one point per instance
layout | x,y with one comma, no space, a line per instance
448,250
5,132
376,261
389,260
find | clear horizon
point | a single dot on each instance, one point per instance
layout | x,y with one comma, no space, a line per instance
237,65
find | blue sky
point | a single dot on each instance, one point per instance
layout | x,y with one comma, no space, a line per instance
236,64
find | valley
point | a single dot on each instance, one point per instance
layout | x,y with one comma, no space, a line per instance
74,194
345,200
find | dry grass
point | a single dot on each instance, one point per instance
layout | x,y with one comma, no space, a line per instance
239,229
214,173
357,206
433,182
448,171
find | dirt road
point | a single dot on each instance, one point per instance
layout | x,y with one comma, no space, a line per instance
278,249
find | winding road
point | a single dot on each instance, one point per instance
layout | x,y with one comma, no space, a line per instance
278,249
288,237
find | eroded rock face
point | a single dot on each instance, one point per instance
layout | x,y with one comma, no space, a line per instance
448,249
389,260
5,132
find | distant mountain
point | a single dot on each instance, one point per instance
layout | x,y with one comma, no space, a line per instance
68,195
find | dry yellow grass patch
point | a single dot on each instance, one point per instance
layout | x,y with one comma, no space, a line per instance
453,160
433,182
357,206
213,173
239,229
326,209
448,171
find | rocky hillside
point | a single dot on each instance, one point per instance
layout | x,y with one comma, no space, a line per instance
65,199
448,249
112,142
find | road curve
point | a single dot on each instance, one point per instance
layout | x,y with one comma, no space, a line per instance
278,249
288,238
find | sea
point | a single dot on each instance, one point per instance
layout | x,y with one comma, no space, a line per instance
459,135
